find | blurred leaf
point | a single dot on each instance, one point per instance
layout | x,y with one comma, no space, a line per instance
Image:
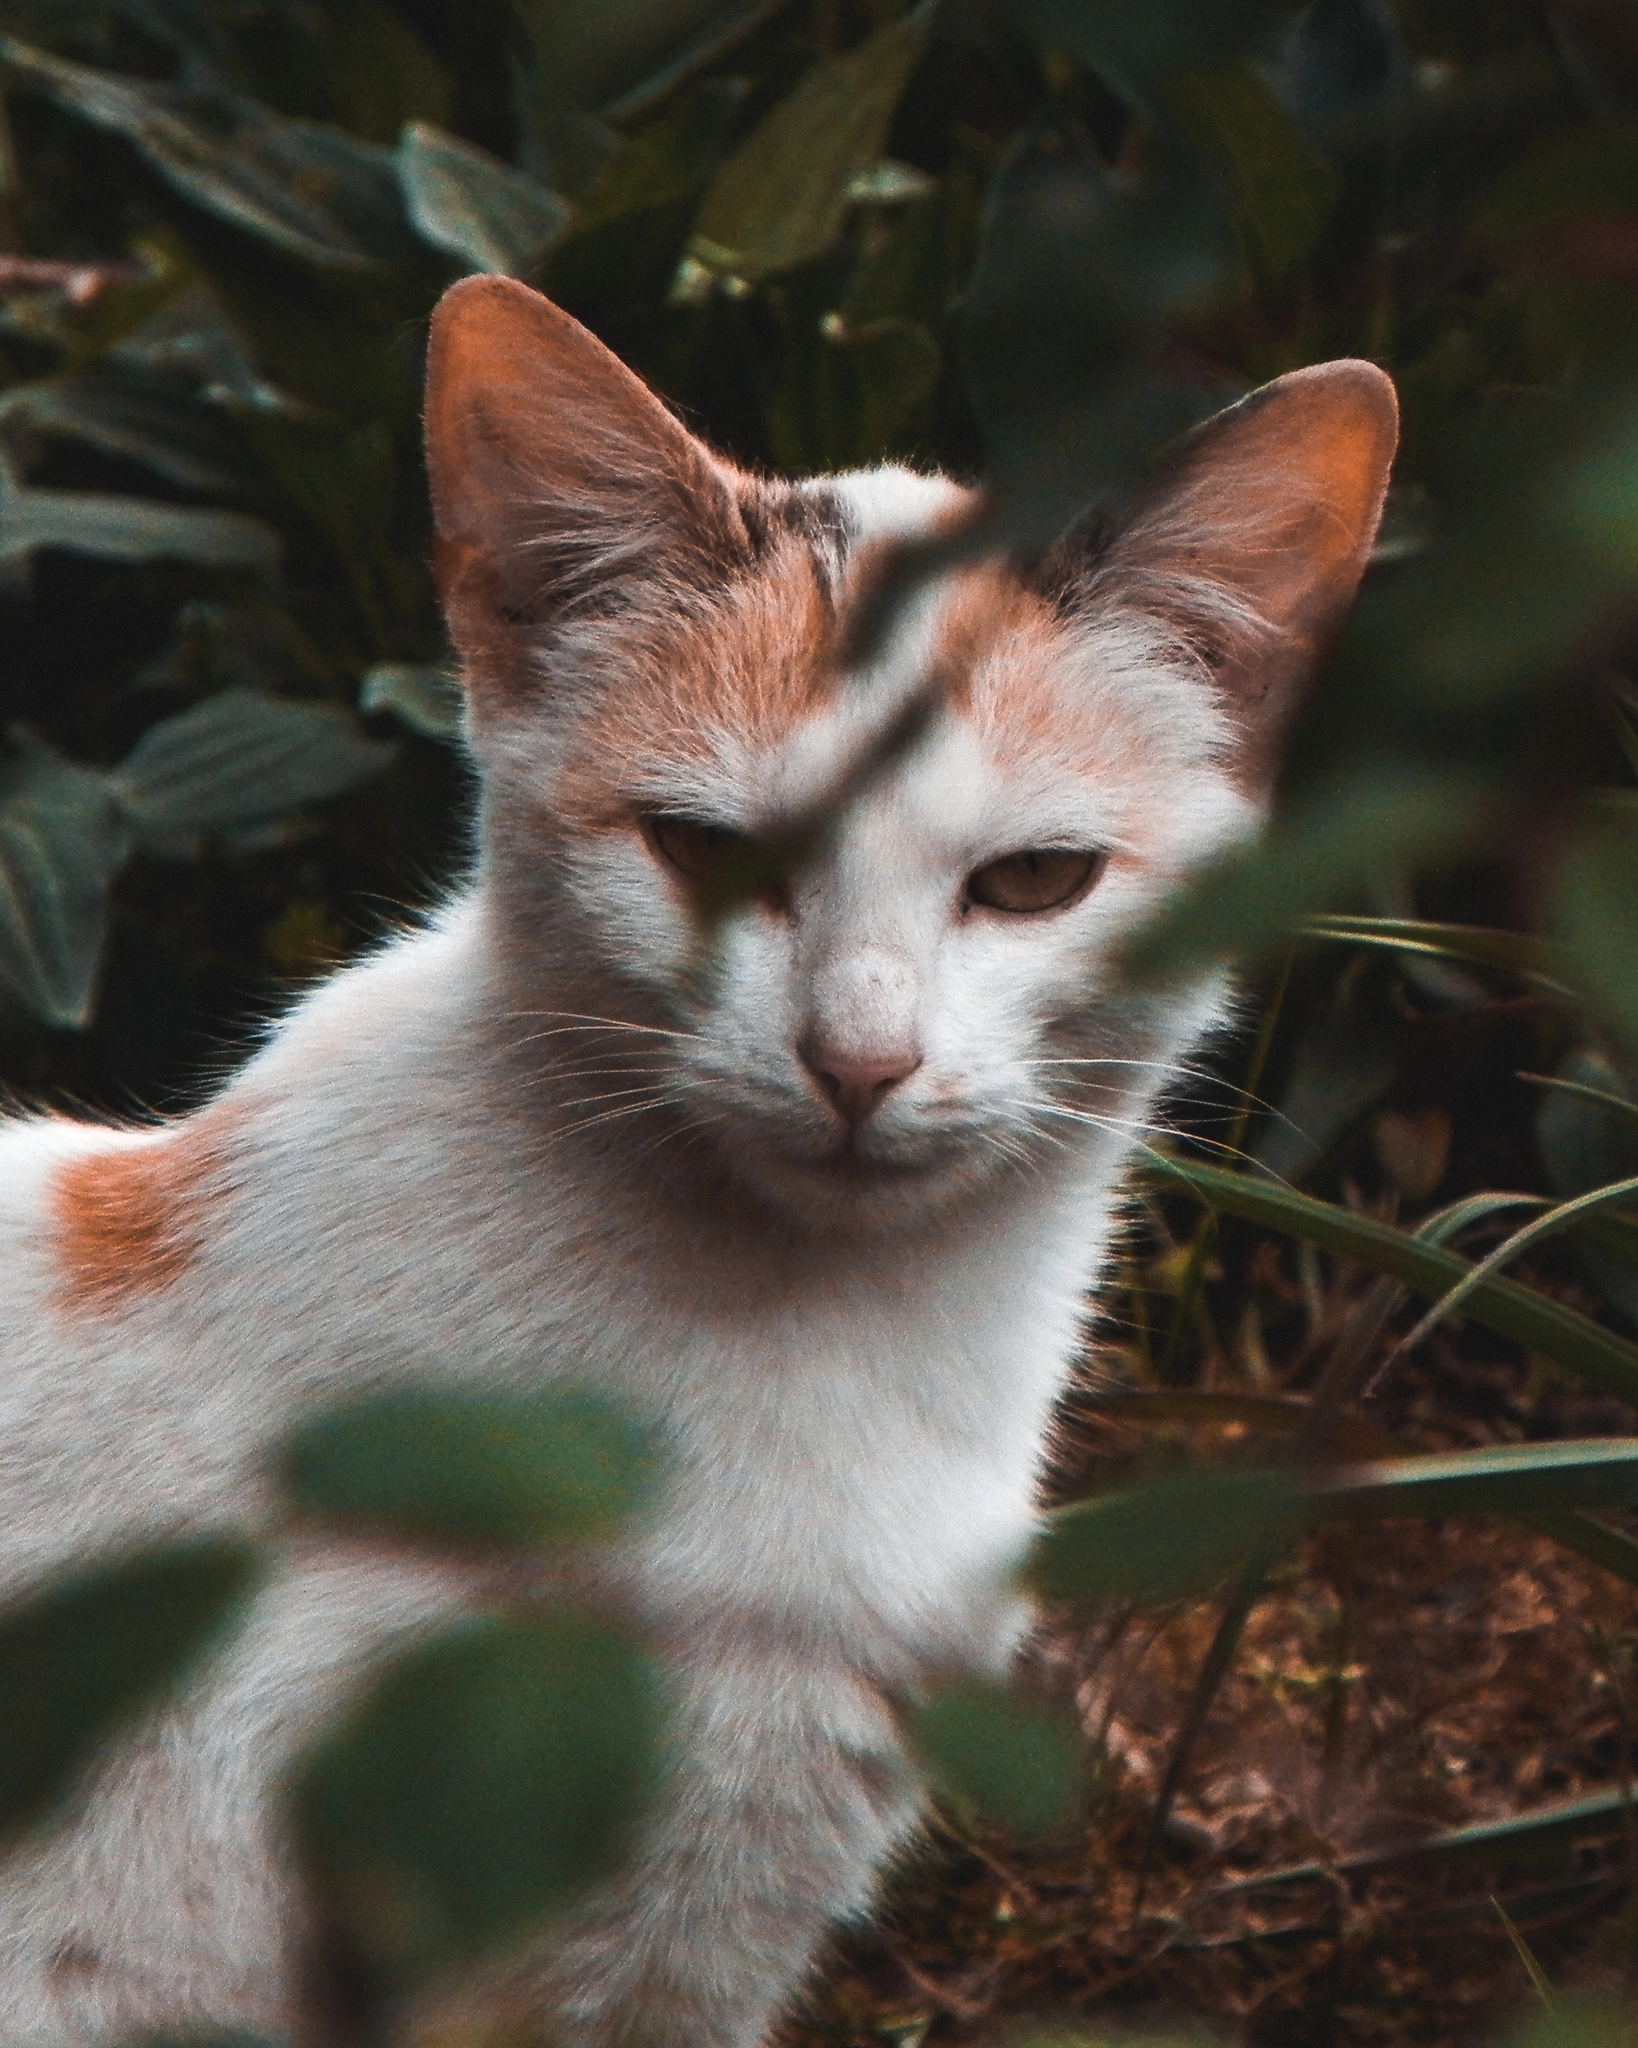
1167,1540
1350,1051
139,419
1286,190
1012,1762
309,190
238,758
63,838
1576,2022
483,1783
1384,818
1140,46
557,1467
426,697
618,55
1587,1143
1529,1318
474,207
1078,266
79,1660
783,194
130,530
1597,918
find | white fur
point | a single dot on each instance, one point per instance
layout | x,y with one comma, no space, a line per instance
434,1169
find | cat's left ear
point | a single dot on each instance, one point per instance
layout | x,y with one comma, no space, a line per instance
1254,540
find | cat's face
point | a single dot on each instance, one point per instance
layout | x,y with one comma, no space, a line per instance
853,928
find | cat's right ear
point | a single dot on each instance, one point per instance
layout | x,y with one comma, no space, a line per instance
562,489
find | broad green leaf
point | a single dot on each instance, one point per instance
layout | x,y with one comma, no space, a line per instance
483,1782
617,55
1140,46
1078,267
498,1468
165,428
425,696
1597,918
312,191
1529,1318
238,759
131,530
1012,1762
474,207
81,1658
1532,959
1168,1539
1587,1134
1287,190
1253,895
63,838
782,196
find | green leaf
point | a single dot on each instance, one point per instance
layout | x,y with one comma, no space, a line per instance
165,428
1597,918
1140,46
1587,1134
475,207
498,1468
424,695
1518,1312
130,530
783,194
239,759
312,191
63,838
618,55
1010,1762
1166,1540
485,1780
1250,898
1287,191
80,1659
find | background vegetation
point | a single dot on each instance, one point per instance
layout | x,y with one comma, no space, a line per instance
1028,242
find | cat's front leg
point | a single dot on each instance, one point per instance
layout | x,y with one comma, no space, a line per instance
789,1790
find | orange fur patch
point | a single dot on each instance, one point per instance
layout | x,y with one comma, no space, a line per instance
131,1220
764,659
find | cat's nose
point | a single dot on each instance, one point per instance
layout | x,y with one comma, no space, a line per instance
857,1084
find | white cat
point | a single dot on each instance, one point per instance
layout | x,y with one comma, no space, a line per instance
829,1210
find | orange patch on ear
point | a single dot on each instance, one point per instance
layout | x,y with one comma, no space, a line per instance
131,1220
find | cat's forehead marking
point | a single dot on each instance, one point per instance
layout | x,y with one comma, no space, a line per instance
758,672
130,1220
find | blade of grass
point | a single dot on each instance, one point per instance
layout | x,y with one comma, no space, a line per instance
1564,1217
1522,1949
1502,1305
1532,1836
1531,959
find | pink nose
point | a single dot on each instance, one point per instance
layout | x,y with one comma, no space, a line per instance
856,1085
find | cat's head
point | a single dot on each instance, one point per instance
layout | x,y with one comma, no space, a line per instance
852,928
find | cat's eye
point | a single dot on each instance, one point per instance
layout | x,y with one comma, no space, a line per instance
694,846
725,866
1043,878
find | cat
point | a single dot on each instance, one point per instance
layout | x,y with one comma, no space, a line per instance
829,1210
